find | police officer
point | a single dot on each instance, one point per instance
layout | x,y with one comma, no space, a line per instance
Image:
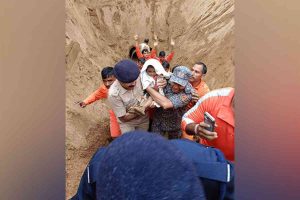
126,92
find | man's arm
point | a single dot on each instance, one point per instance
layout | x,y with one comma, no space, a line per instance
119,109
171,55
100,93
153,53
137,47
155,44
160,99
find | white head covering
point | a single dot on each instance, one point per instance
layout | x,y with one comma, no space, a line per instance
144,46
159,69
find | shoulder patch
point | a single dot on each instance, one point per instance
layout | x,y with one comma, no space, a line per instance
114,91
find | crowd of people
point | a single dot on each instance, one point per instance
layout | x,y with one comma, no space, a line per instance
147,94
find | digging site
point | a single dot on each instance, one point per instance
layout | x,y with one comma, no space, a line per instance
101,33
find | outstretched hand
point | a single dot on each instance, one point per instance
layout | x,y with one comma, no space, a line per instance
136,37
155,43
172,43
81,104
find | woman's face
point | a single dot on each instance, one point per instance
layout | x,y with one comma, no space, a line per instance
176,88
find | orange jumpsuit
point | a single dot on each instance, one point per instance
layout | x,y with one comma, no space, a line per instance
218,104
201,89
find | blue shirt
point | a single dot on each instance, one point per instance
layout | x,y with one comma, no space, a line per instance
170,119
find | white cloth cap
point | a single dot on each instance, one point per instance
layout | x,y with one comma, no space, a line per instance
159,69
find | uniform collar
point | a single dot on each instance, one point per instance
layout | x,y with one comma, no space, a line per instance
121,89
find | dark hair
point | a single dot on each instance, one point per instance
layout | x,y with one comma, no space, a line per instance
151,66
145,50
204,68
165,64
132,53
142,60
107,72
146,40
162,54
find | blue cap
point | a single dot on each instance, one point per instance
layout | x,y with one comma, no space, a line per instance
181,75
142,165
126,71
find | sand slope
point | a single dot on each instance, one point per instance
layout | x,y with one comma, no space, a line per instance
100,33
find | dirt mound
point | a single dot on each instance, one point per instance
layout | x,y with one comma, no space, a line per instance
100,33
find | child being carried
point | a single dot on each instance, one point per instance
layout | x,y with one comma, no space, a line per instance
151,72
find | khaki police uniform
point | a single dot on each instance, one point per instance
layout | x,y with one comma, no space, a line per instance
121,100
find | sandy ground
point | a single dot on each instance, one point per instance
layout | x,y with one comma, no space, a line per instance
100,33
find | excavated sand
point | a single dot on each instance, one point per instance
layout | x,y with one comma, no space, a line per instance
100,33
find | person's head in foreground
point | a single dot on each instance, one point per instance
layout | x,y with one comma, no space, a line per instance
127,72
180,78
108,76
142,165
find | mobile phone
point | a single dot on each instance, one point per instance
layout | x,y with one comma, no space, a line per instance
208,119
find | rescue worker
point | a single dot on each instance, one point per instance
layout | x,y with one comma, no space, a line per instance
108,78
144,53
126,92
199,71
220,105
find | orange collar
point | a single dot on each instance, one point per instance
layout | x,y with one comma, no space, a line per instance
197,86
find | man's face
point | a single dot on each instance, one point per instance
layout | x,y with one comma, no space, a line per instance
176,88
109,81
128,86
196,73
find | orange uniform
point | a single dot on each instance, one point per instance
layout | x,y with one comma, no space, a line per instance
168,58
201,89
140,55
102,93
218,104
